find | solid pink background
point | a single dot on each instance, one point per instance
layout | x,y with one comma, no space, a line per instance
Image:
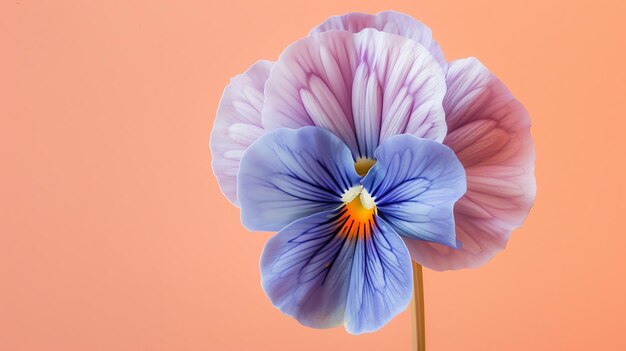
114,235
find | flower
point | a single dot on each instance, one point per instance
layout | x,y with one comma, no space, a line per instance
338,257
355,146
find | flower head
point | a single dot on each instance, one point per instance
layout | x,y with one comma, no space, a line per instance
338,257
355,147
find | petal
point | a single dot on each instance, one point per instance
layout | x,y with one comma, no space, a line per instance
363,87
290,174
490,133
324,273
388,22
237,125
415,183
382,280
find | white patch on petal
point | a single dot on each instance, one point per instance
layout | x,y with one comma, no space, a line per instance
367,200
397,115
325,110
244,133
367,110
233,154
352,193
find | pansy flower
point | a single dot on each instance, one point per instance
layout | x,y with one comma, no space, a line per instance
355,147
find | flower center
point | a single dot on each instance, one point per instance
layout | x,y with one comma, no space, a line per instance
362,165
359,203
358,213
359,210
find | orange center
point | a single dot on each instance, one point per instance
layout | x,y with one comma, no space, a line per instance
357,220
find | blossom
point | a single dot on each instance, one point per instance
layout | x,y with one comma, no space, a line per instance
355,147
338,257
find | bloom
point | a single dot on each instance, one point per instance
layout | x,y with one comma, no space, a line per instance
355,146
338,257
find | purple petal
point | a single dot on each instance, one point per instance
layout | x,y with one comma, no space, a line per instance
363,87
237,125
389,22
415,183
290,174
323,272
489,132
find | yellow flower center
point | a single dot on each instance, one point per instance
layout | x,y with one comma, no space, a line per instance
357,217
362,165
358,211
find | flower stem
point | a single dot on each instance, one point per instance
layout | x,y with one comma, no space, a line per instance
417,304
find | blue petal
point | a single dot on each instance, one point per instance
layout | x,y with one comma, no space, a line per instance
325,272
382,280
415,183
290,174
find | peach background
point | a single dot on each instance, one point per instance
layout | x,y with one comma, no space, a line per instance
113,233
